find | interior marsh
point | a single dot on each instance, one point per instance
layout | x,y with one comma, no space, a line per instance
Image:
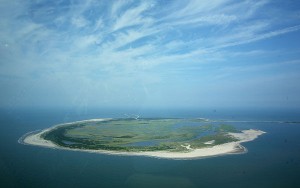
153,134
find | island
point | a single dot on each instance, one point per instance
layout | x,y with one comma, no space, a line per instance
173,138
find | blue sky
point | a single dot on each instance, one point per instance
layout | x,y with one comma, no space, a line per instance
203,54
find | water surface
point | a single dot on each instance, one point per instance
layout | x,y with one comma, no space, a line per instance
273,159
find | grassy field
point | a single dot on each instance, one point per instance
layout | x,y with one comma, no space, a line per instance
140,135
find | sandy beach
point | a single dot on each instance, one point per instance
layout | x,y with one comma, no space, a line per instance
209,151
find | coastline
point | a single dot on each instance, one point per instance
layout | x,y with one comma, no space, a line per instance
33,138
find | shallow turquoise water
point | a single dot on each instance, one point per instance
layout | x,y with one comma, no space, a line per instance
273,159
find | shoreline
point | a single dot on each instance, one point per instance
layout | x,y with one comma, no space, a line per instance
33,138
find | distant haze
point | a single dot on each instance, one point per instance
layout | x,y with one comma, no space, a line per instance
217,53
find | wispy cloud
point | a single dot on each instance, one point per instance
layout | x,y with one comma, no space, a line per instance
246,37
115,39
133,17
133,26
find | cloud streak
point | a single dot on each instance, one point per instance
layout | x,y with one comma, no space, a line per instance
108,41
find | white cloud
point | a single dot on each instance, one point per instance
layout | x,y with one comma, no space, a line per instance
117,7
257,37
135,35
133,17
195,7
79,21
98,26
108,42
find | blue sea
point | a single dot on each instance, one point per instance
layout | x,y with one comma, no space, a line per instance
273,160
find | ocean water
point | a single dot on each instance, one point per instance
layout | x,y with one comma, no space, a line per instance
273,160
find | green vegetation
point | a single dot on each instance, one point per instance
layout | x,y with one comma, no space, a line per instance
227,128
140,135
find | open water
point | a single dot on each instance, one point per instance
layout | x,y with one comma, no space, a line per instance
273,160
